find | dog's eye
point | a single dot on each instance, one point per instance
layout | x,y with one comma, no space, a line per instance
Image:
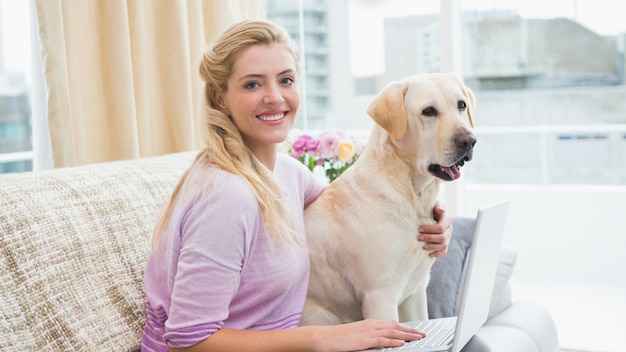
461,105
429,111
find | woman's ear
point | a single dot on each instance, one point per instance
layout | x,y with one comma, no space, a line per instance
219,101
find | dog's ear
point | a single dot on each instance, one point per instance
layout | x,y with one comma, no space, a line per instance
388,110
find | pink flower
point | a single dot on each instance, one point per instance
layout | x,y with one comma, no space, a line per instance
313,145
300,143
328,145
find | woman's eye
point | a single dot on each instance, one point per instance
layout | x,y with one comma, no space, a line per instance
251,85
287,80
461,105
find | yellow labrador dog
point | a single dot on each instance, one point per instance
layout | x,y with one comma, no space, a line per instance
365,259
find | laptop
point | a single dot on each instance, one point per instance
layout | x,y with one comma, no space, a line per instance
452,333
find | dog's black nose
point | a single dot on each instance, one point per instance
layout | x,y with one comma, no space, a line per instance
465,141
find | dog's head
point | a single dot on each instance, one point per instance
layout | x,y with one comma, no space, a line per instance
428,117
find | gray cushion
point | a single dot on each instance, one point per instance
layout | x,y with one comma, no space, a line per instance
447,271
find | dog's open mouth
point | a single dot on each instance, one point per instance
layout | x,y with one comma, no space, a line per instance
448,173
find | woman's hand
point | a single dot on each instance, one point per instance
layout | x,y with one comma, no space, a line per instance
437,236
365,334
359,335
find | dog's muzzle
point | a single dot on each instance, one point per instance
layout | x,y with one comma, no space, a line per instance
464,143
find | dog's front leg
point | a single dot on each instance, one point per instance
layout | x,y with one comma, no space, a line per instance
316,314
414,308
380,304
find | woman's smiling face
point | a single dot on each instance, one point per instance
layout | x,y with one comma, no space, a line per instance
263,95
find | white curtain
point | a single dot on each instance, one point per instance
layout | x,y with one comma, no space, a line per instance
121,76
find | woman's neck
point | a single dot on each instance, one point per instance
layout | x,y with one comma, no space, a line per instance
266,155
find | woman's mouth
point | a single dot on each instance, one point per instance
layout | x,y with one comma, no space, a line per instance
271,117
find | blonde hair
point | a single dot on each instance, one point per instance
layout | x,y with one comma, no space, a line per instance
224,145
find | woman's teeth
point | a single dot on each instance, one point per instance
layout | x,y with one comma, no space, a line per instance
271,117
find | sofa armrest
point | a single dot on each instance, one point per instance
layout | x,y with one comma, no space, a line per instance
522,327
528,324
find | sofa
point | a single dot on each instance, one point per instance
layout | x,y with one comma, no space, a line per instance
73,246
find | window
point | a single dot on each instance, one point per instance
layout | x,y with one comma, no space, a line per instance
531,66
15,112
540,89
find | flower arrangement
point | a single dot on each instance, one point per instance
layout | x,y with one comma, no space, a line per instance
329,151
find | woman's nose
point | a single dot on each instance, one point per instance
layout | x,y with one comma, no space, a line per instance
273,95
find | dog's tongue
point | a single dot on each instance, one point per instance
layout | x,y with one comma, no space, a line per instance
452,171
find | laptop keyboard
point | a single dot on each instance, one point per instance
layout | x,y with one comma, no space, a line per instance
439,332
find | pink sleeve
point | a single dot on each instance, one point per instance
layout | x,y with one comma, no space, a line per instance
314,189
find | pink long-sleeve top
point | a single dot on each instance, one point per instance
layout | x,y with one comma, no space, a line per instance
216,267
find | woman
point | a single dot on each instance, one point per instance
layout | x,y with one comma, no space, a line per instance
229,270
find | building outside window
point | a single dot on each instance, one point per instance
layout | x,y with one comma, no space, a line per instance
15,112
323,38
538,80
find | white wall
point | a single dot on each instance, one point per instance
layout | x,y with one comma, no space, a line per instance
575,234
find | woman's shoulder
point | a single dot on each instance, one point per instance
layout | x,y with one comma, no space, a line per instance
216,182
293,172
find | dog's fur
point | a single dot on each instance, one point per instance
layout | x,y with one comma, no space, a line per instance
366,261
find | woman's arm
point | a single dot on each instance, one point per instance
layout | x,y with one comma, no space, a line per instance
346,337
437,236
